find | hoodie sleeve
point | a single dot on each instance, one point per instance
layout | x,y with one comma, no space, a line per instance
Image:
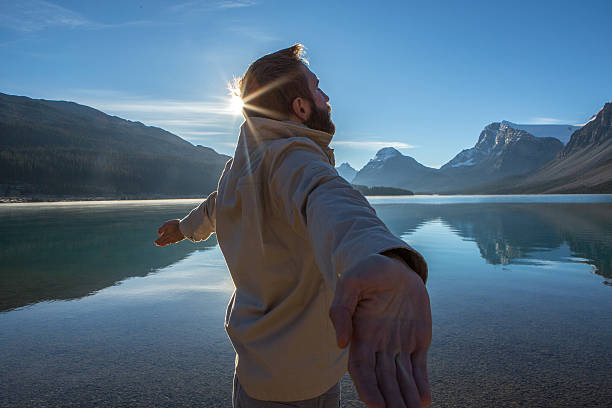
335,218
200,223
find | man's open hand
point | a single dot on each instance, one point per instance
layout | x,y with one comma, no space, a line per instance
382,308
170,233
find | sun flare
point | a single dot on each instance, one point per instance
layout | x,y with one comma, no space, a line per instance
236,104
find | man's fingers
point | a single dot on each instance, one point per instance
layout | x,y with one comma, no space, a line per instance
167,226
169,233
161,229
408,387
341,311
342,320
166,239
362,367
388,380
419,371
161,241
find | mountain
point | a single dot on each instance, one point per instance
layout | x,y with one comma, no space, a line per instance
345,170
54,149
390,168
561,132
583,166
501,151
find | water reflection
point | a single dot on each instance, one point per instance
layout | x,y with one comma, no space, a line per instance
519,232
69,251
200,272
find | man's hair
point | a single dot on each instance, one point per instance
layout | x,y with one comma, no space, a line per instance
270,84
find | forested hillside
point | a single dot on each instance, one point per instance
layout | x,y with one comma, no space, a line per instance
51,149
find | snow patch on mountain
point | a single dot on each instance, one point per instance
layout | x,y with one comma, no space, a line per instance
559,132
386,153
382,156
468,162
493,140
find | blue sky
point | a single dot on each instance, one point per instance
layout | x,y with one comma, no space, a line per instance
425,77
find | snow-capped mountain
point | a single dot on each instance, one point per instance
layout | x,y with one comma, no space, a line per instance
383,155
583,166
508,158
561,132
502,151
347,171
390,168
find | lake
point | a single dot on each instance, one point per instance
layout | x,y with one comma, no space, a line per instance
93,314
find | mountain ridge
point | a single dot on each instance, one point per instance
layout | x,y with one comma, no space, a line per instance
508,159
584,164
562,132
390,168
58,149
55,149
347,171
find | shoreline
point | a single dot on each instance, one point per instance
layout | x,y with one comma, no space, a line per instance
134,199
65,199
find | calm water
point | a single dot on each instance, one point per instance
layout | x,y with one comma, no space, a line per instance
93,314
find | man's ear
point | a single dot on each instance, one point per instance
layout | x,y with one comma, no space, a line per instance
301,109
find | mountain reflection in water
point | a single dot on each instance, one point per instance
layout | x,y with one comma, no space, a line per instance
61,252
54,252
512,233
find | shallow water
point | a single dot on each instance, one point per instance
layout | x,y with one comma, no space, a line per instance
92,314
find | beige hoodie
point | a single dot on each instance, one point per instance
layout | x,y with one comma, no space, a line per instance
288,226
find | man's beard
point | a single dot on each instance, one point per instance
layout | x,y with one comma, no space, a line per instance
320,119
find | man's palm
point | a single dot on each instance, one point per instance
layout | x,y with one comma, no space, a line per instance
170,233
382,308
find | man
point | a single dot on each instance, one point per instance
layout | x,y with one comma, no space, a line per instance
314,268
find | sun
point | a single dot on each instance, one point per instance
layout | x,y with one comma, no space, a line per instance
236,104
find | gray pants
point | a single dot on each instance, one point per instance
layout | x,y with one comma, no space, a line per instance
330,399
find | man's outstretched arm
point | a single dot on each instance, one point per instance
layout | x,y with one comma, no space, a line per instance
381,304
198,225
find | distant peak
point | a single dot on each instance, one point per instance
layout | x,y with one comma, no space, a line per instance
345,165
387,152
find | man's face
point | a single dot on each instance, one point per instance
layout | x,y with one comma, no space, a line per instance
320,115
